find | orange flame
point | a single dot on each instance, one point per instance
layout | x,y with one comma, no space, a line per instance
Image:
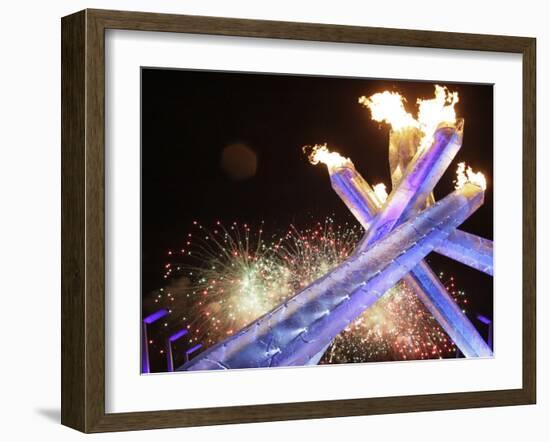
434,112
389,107
321,154
467,175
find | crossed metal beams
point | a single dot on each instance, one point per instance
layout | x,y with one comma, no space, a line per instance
397,239
466,248
362,201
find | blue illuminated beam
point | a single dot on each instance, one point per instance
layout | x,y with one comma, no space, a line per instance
301,327
359,197
422,174
145,366
466,248
169,350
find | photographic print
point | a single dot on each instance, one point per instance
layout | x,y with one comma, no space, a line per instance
296,220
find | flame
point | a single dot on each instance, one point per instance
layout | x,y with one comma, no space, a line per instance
380,192
467,175
389,107
434,112
321,154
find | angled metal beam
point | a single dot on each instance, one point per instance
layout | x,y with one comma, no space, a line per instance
468,249
422,174
359,197
471,250
298,329
169,351
145,365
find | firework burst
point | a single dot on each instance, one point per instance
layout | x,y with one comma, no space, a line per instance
226,277
397,327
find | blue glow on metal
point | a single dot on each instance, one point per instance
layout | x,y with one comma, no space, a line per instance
321,311
484,319
463,247
354,190
193,349
145,366
449,315
422,174
155,316
471,250
422,280
178,335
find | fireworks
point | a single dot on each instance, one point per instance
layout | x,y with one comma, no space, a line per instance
397,327
223,278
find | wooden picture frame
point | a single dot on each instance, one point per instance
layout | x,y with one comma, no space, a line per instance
83,219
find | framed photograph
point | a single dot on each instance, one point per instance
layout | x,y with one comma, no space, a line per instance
269,220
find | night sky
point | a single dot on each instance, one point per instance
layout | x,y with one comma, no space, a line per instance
189,118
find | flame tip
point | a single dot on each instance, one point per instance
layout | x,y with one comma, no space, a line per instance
389,107
380,192
321,154
465,174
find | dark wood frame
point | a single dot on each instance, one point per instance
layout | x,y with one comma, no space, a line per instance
83,216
